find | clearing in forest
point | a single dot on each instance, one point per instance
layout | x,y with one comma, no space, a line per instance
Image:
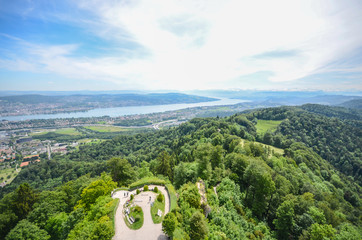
264,125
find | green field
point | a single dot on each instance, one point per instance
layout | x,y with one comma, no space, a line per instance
264,125
63,131
90,141
106,128
4,173
275,149
68,131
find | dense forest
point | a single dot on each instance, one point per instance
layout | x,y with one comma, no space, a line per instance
300,179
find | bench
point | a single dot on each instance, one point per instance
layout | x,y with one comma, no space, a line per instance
130,220
126,211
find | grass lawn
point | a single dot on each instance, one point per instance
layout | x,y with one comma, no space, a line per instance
264,125
63,131
68,131
106,128
158,205
40,132
275,149
4,173
136,214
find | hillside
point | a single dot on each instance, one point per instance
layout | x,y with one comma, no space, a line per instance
303,182
355,103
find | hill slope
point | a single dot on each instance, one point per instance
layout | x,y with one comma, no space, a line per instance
259,193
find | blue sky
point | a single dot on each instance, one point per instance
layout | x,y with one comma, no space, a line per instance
180,45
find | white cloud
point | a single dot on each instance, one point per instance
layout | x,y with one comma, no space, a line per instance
210,44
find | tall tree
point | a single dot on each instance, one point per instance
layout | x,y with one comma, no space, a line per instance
203,156
169,224
198,226
24,199
121,170
27,230
285,219
164,164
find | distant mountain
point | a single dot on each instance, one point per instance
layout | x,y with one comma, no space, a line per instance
40,104
355,103
283,97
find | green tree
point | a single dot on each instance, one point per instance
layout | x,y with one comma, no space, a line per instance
190,194
317,215
121,170
27,230
164,164
24,199
101,187
217,153
198,226
8,220
285,219
185,172
260,187
321,231
55,226
348,232
169,224
203,156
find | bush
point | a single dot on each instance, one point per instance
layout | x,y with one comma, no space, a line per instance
137,209
145,188
132,197
137,191
160,197
137,218
155,190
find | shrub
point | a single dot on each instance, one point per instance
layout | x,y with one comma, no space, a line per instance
160,197
137,218
137,209
145,188
137,191
132,197
155,189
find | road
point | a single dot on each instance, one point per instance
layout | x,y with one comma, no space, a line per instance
149,230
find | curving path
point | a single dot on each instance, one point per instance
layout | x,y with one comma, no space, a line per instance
149,230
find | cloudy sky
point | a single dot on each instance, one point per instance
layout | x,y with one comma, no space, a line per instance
180,45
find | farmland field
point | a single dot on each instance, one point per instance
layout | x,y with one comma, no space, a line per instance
264,125
63,131
106,128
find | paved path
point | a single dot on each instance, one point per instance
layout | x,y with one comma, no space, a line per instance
149,230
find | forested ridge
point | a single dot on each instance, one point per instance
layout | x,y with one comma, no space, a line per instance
301,180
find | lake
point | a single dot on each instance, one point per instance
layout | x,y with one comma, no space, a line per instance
123,111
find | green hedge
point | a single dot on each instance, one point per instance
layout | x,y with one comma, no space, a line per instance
172,195
146,181
115,207
157,181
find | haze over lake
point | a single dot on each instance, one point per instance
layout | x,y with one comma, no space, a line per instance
123,111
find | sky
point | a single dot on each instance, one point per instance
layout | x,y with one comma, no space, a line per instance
180,45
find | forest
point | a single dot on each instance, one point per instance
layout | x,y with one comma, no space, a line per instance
299,179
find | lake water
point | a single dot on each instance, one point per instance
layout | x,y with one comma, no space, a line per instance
123,111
